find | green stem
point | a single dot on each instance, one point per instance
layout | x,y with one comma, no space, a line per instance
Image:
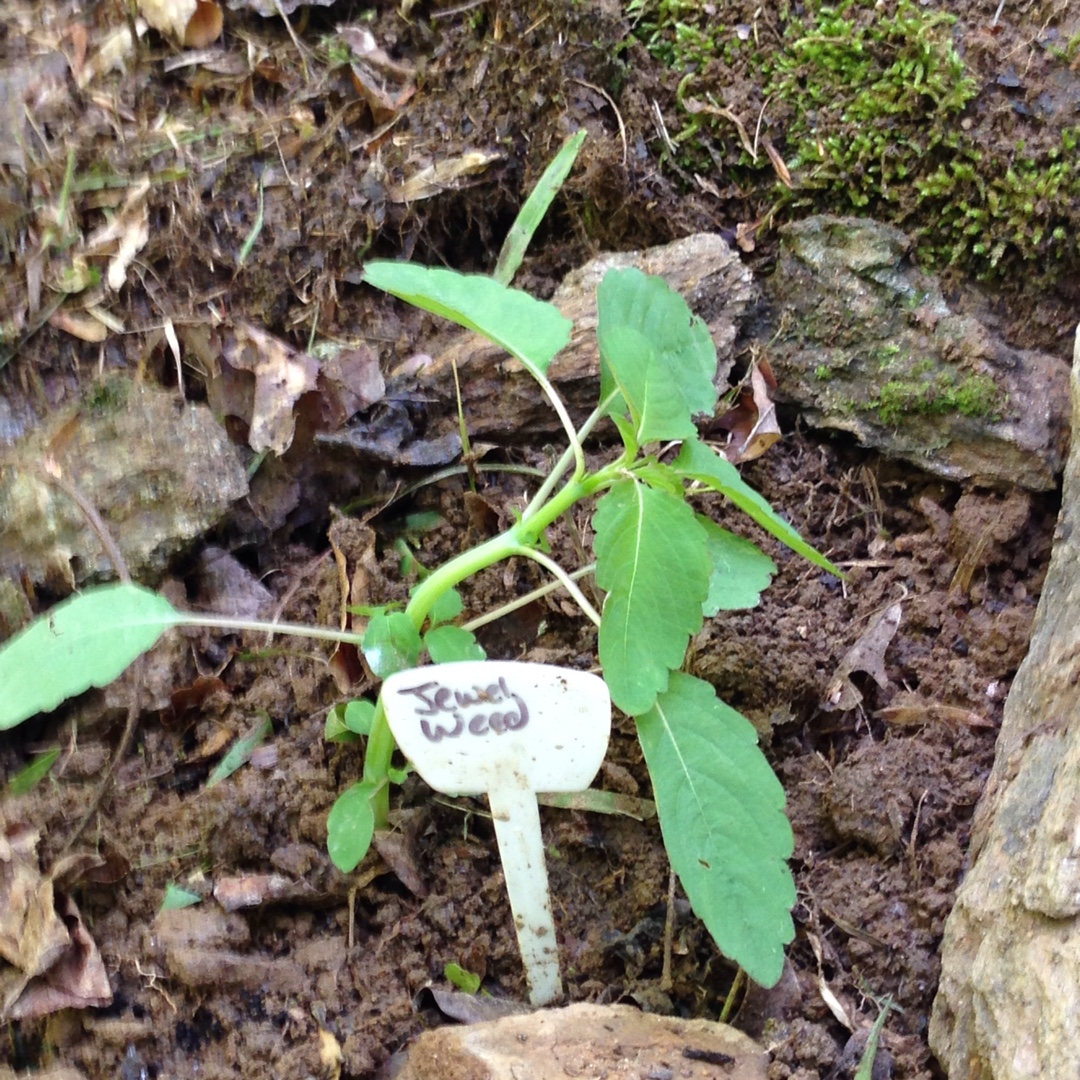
526,599
225,622
569,456
564,418
377,761
563,577
524,535
520,540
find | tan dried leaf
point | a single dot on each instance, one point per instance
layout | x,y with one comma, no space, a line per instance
194,23
778,163
112,54
911,710
752,422
282,373
441,176
79,324
867,655
55,962
123,237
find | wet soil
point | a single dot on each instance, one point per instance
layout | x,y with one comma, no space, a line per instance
320,979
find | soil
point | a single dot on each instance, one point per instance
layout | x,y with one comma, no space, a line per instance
881,795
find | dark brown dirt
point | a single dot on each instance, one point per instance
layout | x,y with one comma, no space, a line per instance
881,801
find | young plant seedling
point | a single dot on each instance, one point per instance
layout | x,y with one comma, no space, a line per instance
663,565
507,730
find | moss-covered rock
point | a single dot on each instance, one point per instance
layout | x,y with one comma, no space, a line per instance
865,343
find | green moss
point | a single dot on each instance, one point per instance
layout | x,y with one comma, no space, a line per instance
976,395
823,372
888,357
109,394
863,100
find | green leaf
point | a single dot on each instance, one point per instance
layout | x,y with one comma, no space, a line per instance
627,431
536,206
347,721
177,898
359,716
656,405
530,329
448,606
651,559
28,777
399,776
660,476
696,461
721,811
683,353
86,641
422,521
239,754
335,729
391,643
740,570
446,644
466,981
350,826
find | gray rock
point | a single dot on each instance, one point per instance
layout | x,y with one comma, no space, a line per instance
865,343
1008,1004
157,471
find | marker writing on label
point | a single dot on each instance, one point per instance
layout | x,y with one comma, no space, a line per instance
442,703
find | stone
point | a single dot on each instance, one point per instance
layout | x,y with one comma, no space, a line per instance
613,1041
864,342
1008,1002
157,471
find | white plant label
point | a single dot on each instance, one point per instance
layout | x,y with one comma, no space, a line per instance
507,730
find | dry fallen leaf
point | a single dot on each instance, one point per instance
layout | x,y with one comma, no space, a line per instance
778,163
194,23
123,237
867,655
259,378
353,543
270,9
79,325
442,176
112,54
384,83
752,422
911,710
282,373
224,586
54,961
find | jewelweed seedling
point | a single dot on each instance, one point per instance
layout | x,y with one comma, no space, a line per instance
663,566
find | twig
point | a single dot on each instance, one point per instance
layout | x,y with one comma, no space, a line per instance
618,116
447,13
666,981
52,473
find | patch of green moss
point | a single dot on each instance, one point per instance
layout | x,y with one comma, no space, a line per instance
823,372
976,395
108,395
863,101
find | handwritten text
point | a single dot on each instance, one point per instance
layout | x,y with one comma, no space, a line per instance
447,713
